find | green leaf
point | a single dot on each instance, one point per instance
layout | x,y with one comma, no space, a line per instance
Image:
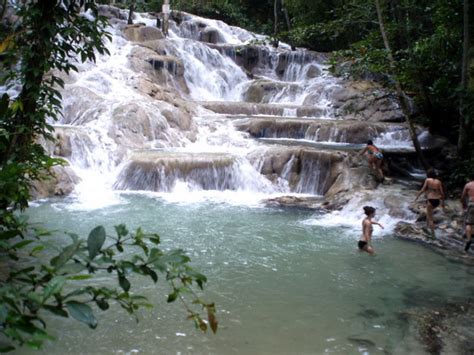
54,286
123,282
9,234
102,304
36,249
82,312
56,310
172,297
22,244
5,347
67,253
121,230
95,241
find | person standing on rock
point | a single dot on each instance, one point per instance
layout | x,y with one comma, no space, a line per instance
365,242
433,188
467,201
375,158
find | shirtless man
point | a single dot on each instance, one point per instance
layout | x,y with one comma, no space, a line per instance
467,201
433,189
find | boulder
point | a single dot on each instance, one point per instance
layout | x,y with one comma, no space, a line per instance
112,12
306,170
365,100
155,170
61,182
263,90
140,33
83,106
163,70
134,126
210,35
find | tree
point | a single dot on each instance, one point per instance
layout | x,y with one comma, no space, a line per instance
401,97
467,85
47,38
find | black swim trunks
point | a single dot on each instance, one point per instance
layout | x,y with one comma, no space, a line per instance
470,214
362,244
434,202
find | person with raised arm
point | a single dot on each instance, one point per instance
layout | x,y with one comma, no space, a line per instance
365,241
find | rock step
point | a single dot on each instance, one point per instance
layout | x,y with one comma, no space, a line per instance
158,170
249,108
319,146
319,130
306,170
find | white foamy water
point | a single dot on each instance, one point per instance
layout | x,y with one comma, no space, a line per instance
352,214
103,97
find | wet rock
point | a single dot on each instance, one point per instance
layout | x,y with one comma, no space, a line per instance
317,130
210,35
134,126
310,203
306,170
61,182
84,106
445,329
264,90
141,33
112,12
154,170
166,71
365,100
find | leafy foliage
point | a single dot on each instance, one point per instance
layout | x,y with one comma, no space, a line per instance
47,38
58,285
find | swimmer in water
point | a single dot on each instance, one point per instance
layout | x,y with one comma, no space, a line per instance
365,241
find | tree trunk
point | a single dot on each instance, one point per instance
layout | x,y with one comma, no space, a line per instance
285,12
275,15
401,96
464,121
130,13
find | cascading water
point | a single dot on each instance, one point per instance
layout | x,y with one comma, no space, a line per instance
122,120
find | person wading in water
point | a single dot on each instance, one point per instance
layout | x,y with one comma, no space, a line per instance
467,201
375,158
433,188
365,242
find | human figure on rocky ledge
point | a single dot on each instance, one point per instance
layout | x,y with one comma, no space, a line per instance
365,241
467,202
375,158
433,188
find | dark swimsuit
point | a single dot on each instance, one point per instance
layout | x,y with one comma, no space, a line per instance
434,202
362,244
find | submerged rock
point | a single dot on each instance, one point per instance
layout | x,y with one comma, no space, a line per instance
445,329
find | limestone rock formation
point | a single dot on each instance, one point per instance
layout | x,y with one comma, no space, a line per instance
61,182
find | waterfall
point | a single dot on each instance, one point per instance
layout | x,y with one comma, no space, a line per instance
180,115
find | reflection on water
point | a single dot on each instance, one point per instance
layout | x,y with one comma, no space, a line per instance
282,286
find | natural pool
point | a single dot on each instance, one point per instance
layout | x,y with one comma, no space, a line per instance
282,285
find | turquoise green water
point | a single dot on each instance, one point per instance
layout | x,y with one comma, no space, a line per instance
282,286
